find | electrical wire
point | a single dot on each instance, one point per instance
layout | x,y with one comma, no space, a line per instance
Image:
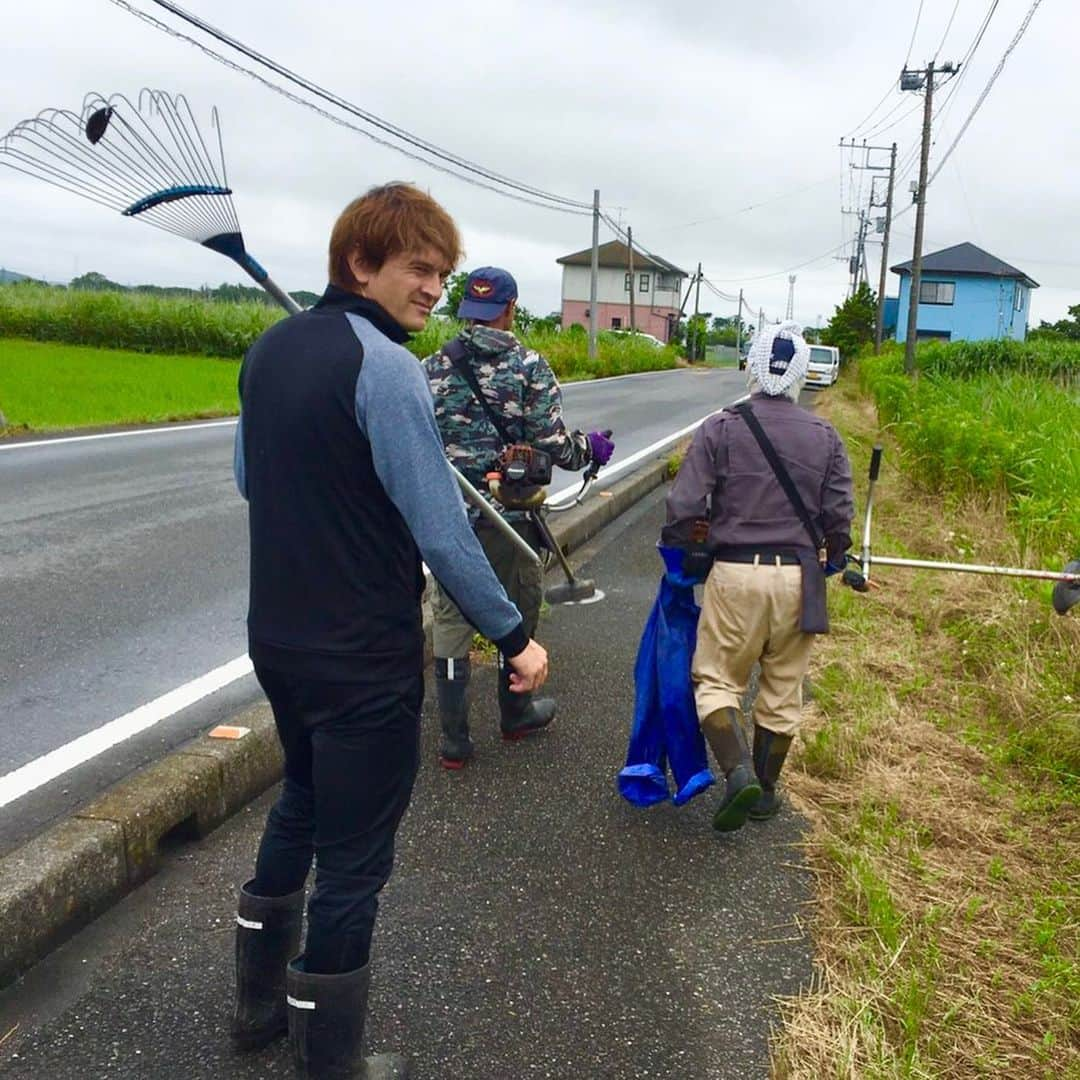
892,85
369,117
777,273
862,123
899,120
965,65
491,184
948,27
985,91
620,232
914,31
719,293
755,206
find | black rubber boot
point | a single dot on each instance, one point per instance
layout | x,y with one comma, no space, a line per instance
267,938
451,692
770,750
519,714
723,730
326,1027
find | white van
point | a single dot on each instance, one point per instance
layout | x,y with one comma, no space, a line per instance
824,367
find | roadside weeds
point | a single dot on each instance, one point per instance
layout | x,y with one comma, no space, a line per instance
938,766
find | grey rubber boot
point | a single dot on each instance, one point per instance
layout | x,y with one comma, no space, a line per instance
267,938
723,730
770,750
326,1027
519,714
452,695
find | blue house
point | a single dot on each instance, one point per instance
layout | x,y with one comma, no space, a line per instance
966,294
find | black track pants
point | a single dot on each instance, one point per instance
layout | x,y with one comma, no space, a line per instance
351,755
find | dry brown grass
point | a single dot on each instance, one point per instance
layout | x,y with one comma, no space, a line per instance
938,768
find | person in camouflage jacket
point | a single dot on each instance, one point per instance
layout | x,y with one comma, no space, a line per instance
520,387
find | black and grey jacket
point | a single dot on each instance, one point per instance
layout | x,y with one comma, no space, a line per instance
340,459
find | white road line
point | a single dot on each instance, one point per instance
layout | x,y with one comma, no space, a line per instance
117,434
57,762
14,785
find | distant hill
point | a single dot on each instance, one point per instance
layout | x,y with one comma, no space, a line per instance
95,282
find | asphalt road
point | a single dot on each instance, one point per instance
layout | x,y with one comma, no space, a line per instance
123,573
536,926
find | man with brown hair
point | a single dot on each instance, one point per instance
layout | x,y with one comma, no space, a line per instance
340,459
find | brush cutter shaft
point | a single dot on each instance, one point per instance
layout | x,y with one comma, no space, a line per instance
976,568
495,517
552,544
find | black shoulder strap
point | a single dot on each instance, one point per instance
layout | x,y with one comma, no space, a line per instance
456,352
782,474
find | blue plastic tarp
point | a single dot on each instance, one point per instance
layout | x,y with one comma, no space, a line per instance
665,735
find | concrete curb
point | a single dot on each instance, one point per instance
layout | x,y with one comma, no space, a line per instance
59,881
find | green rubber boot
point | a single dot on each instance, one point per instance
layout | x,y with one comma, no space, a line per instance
770,750
723,730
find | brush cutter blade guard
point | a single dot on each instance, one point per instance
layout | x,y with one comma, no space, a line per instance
1067,593
572,592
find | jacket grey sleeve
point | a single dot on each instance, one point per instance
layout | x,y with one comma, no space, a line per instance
837,502
689,497
544,423
395,412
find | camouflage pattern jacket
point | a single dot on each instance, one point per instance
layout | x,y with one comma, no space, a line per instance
520,387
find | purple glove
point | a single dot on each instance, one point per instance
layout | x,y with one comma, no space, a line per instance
601,446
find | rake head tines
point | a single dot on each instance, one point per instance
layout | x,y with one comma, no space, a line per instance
148,162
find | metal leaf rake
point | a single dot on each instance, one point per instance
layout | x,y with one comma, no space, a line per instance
148,161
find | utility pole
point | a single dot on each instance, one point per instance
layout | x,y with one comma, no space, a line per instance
879,326
760,319
790,312
630,257
696,355
915,80
595,275
857,262
738,329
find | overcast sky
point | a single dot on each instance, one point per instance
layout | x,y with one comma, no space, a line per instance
681,114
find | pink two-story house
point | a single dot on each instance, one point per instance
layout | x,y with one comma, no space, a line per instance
657,286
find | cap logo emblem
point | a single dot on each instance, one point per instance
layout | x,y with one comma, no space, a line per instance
481,288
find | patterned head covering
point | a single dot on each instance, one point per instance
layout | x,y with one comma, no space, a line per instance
778,358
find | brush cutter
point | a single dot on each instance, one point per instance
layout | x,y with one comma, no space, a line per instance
575,590
150,162
1066,590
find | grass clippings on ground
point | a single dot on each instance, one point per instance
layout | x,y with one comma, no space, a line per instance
938,767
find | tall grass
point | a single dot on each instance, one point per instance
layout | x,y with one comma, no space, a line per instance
567,351
142,322
987,427
138,322
1059,361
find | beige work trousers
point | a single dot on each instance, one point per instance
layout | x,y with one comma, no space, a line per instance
750,612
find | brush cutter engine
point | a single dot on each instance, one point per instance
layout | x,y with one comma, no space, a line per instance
520,479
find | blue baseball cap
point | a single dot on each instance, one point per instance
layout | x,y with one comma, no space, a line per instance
487,292
783,349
